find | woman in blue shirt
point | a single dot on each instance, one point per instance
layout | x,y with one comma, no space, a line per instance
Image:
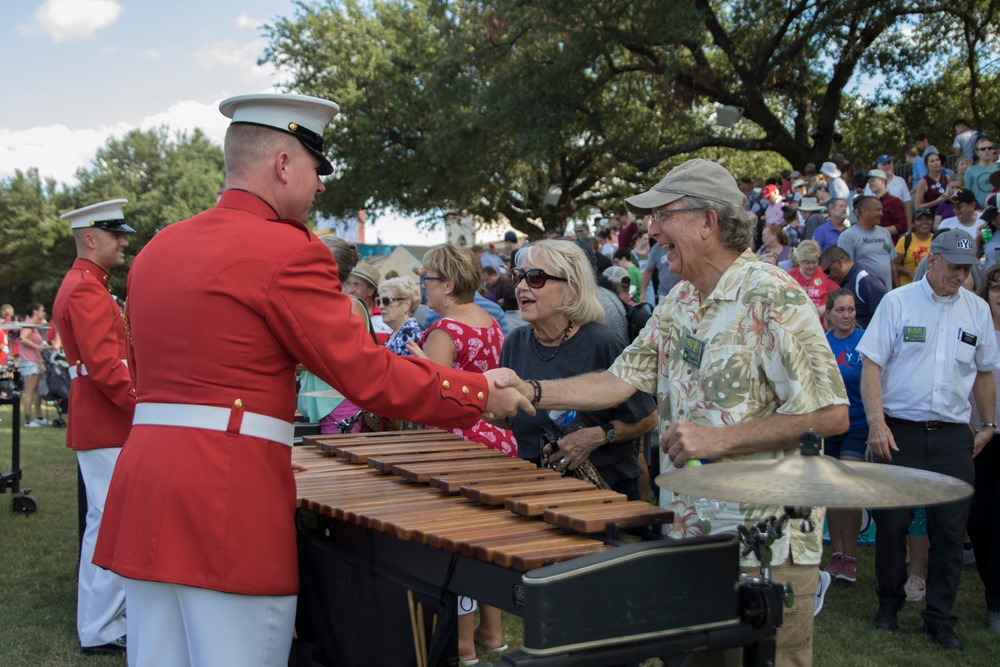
844,335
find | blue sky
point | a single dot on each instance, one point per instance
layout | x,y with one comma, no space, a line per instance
78,71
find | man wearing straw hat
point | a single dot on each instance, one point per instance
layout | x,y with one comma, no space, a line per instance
221,308
101,403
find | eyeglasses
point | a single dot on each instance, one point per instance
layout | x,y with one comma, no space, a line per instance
987,148
384,301
661,215
826,269
424,278
536,278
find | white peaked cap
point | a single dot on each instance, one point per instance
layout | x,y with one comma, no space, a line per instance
107,215
299,115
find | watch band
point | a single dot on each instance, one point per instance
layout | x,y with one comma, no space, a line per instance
987,425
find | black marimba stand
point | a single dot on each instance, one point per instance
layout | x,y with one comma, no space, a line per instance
21,502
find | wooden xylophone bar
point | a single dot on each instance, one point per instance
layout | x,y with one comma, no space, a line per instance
482,526
382,517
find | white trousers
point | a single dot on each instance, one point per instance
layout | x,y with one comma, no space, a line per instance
171,625
100,598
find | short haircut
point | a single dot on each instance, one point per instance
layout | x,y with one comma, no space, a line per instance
833,200
247,145
623,253
490,271
920,137
959,121
460,266
807,250
344,253
565,259
735,222
402,287
832,254
982,138
860,202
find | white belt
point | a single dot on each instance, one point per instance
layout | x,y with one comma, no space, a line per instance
213,419
81,369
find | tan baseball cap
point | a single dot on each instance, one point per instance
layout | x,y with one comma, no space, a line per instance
367,272
699,178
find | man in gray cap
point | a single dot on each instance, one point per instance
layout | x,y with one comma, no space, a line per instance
935,330
221,308
739,365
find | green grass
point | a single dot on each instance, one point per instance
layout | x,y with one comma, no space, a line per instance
38,560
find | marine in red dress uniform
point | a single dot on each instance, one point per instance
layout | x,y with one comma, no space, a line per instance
101,402
220,310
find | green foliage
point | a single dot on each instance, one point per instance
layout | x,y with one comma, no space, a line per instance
164,179
30,238
488,107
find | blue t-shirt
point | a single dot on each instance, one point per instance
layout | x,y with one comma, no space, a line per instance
849,364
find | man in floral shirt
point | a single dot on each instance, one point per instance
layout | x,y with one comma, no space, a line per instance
739,365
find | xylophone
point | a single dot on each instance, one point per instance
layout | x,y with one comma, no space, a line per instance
427,514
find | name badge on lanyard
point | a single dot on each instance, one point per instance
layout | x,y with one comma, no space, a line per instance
693,349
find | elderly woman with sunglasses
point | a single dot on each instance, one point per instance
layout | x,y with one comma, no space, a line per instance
556,294
398,300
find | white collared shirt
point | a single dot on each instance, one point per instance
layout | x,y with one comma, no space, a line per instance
930,348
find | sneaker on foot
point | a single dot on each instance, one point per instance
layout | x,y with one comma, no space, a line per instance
968,555
42,421
848,569
833,567
824,585
32,425
914,588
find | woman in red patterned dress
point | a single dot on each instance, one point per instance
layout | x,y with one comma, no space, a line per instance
465,337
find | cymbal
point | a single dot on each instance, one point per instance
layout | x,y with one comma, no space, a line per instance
323,393
11,326
815,481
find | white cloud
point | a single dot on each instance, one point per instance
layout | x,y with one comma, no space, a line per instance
241,56
150,54
65,20
58,151
244,21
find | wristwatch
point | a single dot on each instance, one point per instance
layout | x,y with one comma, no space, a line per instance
610,433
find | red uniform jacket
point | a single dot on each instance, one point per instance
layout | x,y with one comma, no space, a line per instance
90,325
220,309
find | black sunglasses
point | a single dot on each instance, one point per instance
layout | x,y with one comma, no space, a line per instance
384,301
535,278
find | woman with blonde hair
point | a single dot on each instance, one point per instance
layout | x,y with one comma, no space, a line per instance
811,277
557,296
399,299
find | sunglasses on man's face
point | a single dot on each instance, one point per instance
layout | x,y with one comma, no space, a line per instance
535,278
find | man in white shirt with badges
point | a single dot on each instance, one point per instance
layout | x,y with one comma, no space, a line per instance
930,328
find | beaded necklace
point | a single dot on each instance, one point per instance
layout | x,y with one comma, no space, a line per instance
561,338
